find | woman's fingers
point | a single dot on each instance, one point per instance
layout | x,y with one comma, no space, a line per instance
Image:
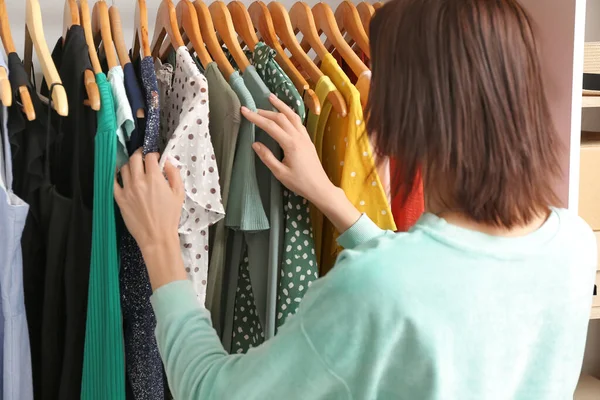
287,111
136,166
118,190
271,127
277,167
174,178
126,175
151,163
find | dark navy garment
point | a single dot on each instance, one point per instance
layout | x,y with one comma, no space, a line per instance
137,101
145,378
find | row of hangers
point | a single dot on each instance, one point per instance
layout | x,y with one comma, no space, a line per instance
196,26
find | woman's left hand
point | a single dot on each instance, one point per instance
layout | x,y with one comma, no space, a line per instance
151,208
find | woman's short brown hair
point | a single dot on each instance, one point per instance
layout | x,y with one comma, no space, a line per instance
457,90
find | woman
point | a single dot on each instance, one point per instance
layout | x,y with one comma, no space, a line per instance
487,297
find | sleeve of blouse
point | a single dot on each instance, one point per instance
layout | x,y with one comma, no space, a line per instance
198,367
361,232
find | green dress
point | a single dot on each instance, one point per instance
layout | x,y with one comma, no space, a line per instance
298,268
103,359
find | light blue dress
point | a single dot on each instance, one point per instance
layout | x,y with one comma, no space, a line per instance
16,382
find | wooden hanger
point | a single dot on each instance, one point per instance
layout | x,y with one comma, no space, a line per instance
286,26
140,34
34,37
261,18
348,20
365,11
117,34
243,24
222,21
102,33
5,90
166,26
70,16
188,21
210,39
378,5
325,22
9,47
116,29
89,77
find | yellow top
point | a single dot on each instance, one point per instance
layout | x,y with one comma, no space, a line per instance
349,162
316,127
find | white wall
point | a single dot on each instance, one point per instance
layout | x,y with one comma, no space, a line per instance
52,11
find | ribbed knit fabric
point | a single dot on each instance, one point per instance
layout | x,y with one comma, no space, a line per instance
103,363
245,211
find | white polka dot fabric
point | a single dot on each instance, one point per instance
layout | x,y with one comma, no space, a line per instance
184,125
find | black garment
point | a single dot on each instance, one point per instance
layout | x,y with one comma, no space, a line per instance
68,228
136,101
46,221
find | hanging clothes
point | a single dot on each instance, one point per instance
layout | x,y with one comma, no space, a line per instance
15,354
135,97
407,214
184,130
28,143
262,254
66,200
299,267
316,129
145,67
245,211
143,364
348,161
224,125
104,366
123,112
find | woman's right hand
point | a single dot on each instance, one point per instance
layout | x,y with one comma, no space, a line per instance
300,170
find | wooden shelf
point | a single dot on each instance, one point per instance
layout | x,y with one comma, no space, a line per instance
590,101
588,388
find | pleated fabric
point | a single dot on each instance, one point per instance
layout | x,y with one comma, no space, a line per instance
103,363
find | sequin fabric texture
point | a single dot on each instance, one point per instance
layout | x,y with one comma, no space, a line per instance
143,363
152,105
184,124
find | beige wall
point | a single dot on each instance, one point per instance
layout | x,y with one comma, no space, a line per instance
555,21
590,118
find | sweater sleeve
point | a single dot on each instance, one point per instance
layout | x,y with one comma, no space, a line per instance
198,367
361,232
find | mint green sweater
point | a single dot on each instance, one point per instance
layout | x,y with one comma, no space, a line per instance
440,312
